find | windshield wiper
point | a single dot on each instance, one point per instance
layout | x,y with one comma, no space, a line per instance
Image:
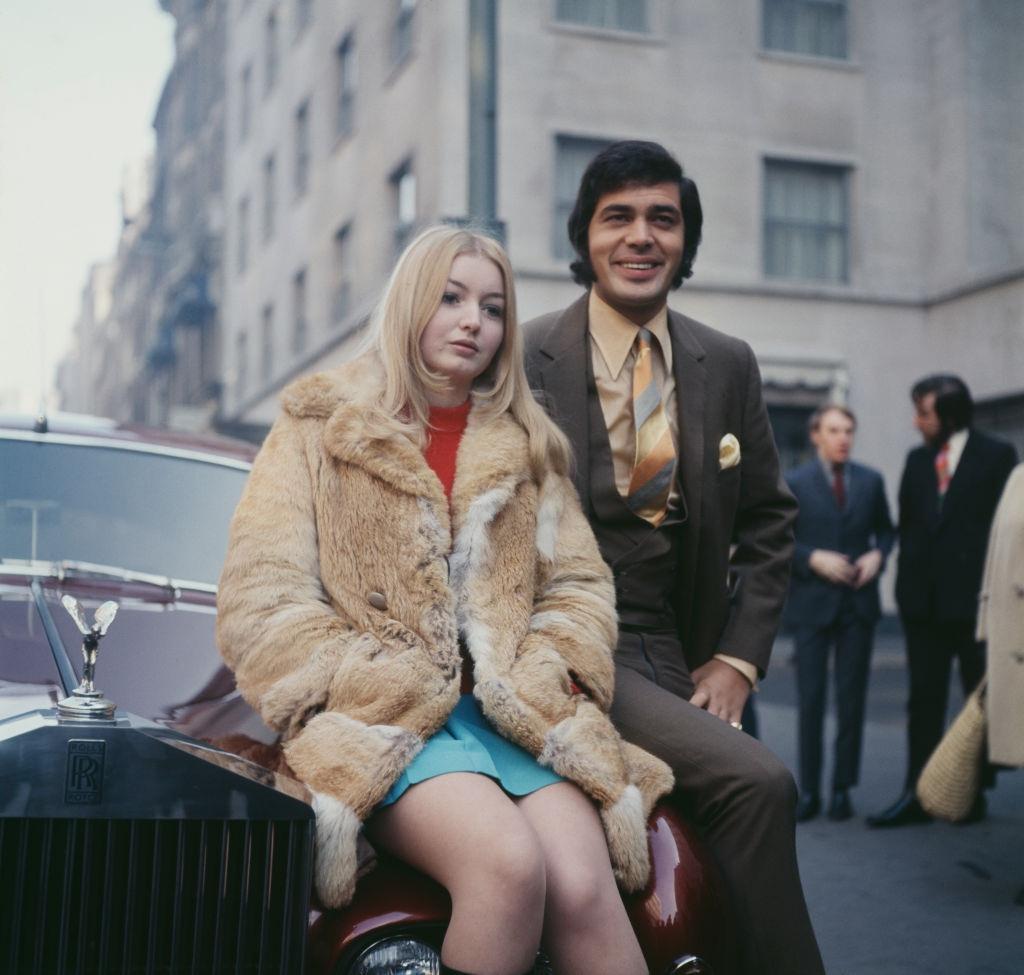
70,569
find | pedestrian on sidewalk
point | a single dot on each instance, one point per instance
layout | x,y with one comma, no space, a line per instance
948,495
844,534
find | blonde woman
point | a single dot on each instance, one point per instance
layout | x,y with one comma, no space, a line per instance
413,599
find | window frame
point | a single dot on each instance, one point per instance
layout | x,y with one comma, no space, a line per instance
341,293
346,68
303,135
303,10
300,310
612,10
267,342
771,224
561,247
777,11
403,229
402,28
242,241
245,102
271,51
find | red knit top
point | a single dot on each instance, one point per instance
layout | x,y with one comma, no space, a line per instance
447,424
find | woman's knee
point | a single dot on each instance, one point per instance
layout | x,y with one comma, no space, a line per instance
510,867
580,893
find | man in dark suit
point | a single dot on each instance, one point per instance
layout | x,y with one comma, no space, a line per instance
843,536
948,496
675,463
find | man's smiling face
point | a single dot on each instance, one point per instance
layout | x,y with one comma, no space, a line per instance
635,243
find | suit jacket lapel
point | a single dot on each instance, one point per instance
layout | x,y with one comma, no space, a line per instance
563,375
688,370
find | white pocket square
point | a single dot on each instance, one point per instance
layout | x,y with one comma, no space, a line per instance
728,452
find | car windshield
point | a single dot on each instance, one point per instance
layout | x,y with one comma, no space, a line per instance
145,512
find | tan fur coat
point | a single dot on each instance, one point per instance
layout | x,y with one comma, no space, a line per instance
348,582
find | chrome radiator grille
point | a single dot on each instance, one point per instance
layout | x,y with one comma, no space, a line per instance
109,896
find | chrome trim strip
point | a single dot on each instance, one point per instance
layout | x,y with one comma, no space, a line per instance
68,570
689,965
73,440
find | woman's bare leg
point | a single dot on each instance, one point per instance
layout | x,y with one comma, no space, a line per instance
464,832
586,929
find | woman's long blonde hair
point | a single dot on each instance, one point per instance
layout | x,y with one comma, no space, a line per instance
412,296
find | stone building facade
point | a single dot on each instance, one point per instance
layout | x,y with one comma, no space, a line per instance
858,162
859,165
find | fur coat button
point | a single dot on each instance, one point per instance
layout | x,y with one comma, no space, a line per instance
377,600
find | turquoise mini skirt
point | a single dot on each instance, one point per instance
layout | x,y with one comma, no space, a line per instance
467,742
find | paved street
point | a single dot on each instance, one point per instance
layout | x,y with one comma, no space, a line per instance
922,899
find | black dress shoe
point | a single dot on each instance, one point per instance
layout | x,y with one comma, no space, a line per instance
905,811
808,805
840,807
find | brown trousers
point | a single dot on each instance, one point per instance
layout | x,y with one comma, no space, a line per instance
742,799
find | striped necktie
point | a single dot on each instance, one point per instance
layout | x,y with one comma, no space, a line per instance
942,474
655,462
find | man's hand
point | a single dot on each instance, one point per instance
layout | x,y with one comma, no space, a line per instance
833,567
720,689
868,566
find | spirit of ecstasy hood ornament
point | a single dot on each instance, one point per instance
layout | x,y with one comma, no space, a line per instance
85,701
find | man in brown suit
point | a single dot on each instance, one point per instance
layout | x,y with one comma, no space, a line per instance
675,465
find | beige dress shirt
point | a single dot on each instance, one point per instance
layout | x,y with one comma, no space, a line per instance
613,352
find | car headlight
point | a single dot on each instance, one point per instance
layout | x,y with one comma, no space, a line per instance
398,956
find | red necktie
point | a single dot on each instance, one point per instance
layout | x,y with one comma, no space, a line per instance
839,486
942,475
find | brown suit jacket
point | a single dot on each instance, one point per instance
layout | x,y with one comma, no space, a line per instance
724,605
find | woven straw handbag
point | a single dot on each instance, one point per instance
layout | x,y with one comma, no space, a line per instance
951,778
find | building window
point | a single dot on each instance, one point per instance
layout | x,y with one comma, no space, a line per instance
789,427
401,32
816,27
241,365
571,157
269,201
267,343
243,234
610,14
341,299
270,52
805,221
345,61
303,15
302,148
403,191
299,323
245,104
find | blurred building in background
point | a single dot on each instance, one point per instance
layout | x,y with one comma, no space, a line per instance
151,352
859,164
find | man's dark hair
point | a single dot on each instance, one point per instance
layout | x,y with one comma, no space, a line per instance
953,404
632,163
814,420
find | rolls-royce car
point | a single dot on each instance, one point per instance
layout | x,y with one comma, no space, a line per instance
143,827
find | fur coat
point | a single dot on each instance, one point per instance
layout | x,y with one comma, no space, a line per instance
349,580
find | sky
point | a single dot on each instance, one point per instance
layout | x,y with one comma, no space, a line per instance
79,85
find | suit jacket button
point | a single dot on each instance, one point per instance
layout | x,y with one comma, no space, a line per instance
377,600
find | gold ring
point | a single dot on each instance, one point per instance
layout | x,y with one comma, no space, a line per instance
737,725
